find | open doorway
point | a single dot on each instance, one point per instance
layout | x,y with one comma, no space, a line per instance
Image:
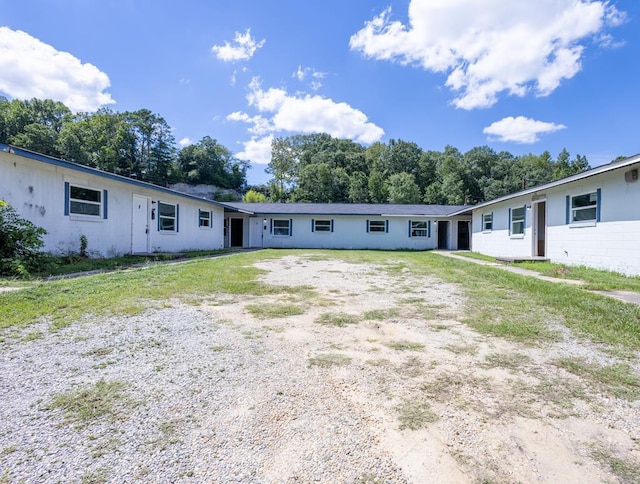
540,229
463,235
237,232
443,234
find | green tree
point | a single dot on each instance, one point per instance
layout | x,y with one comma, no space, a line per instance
211,163
403,189
253,196
378,192
283,166
358,187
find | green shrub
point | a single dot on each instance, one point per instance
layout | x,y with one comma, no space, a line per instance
20,243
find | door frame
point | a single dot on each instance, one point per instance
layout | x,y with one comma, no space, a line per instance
234,224
539,225
467,224
443,234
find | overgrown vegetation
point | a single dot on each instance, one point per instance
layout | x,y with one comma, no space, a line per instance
274,310
619,380
20,244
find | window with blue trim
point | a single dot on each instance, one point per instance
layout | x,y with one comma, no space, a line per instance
85,201
418,228
517,221
282,227
584,208
204,219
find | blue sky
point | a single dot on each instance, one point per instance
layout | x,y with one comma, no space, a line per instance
523,76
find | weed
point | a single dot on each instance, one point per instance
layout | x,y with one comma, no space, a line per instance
103,399
462,349
402,345
627,470
99,476
337,319
272,310
619,379
9,450
326,360
33,336
381,314
415,415
506,360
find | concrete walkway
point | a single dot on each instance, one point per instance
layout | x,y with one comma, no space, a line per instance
624,296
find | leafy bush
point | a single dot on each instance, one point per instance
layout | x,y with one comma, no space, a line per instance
20,243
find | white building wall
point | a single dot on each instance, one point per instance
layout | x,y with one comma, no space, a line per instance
37,191
613,243
349,232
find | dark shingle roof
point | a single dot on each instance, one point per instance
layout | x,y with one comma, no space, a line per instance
370,209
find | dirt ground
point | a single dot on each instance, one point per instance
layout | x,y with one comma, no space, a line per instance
497,411
372,378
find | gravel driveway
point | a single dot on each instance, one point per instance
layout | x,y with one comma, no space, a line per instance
214,392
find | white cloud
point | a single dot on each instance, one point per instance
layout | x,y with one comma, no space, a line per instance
257,150
491,47
520,129
281,113
310,73
185,142
30,68
242,48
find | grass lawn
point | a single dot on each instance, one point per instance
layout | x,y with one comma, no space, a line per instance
499,303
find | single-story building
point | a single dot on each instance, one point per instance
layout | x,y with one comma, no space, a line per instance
116,214
346,226
590,219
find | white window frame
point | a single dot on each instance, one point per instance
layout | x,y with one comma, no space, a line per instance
204,222
75,201
519,221
377,226
487,222
173,217
281,227
419,228
323,225
593,206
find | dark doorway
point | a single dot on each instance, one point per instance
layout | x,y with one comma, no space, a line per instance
541,228
463,235
443,235
237,235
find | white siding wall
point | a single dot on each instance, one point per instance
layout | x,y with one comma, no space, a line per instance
613,243
349,232
37,191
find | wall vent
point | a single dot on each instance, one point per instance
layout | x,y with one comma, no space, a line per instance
631,176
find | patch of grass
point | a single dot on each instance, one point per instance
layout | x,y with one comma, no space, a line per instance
337,319
412,367
99,476
274,310
403,345
381,314
476,255
450,386
9,450
619,380
104,399
327,360
101,351
34,335
462,349
627,470
511,361
414,415
217,348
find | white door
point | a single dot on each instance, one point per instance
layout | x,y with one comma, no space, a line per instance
255,232
140,225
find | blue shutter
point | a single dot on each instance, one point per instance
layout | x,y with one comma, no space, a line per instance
313,225
367,226
104,204
290,227
158,217
524,220
331,225
568,210
598,201
429,229
509,221
271,226
409,228
177,217
66,198
386,226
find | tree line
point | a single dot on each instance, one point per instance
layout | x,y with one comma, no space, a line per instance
304,168
319,168
137,144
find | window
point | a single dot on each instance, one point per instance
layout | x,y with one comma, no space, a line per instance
322,226
419,228
168,218
377,226
282,227
204,218
584,208
517,221
487,222
85,201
